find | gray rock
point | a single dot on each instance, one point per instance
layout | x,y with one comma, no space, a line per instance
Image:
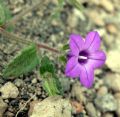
96,18
108,115
3,107
107,5
111,28
34,81
9,90
112,61
113,81
106,103
118,107
117,96
91,110
77,92
51,107
102,90
19,82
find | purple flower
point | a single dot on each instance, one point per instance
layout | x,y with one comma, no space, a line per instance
84,56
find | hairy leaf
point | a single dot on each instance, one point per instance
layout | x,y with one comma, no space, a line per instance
5,14
2,15
23,63
65,47
63,59
76,4
52,85
46,66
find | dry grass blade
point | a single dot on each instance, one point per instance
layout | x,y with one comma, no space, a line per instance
12,36
25,105
26,41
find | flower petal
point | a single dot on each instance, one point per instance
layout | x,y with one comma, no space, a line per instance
92,42
72,67
97,59
76,43
69,55
87,76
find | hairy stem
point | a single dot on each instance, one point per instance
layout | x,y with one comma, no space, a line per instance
26,41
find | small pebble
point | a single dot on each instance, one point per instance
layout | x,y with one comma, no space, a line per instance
102,90
34,81
9,90
91,110
106,102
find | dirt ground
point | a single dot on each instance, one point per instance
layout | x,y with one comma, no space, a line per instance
103,100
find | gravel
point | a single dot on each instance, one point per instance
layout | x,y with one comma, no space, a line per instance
3,107
106,103
102,16
9,90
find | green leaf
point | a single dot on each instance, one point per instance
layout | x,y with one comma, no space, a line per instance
61,3
58,85
5,14
2,15
76,4
65,47
46,66
52,85
63,59
23,63
10,28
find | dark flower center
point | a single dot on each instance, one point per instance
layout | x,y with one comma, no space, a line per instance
83,57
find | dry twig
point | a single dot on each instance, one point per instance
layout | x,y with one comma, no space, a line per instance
25,105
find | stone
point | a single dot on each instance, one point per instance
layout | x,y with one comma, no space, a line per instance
108,39
117,96
3,107
99,83
112,80
34,81
96,18
77,92
108,115
113,58
91,110
72,21
9,90
51,107
102,90
106,103
19,82
111,28
77,107
107,5
17,10
9,114
118,108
